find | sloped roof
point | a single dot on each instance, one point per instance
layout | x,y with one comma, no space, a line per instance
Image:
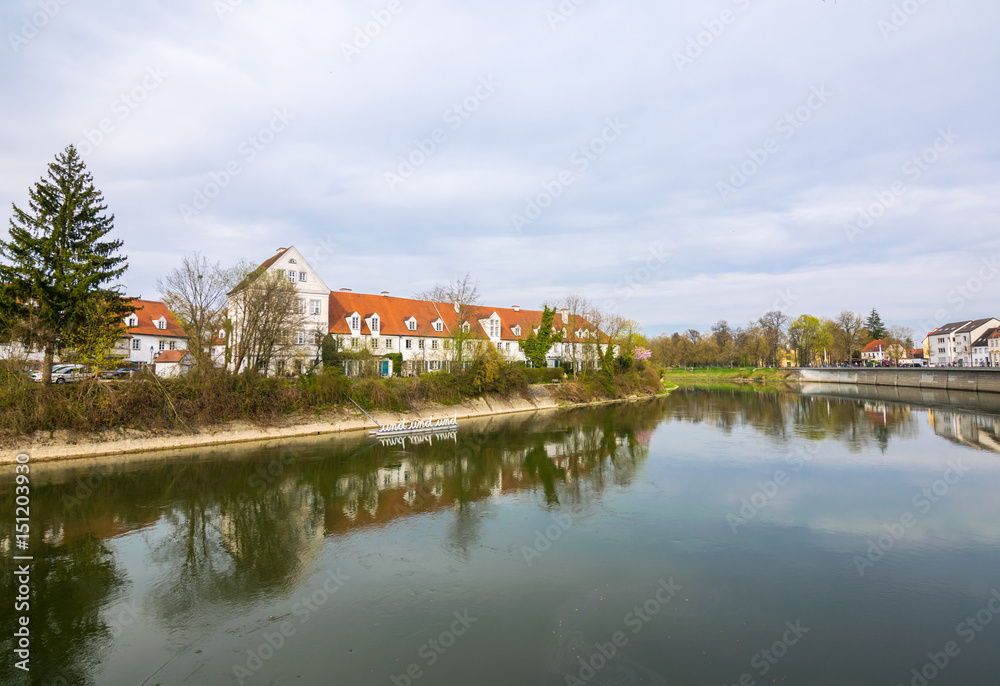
394,312
147,312
983,340
261,268
171,356
875,345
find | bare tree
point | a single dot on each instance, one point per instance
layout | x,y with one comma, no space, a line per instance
773,325
462,294
263,320
571,313
196,293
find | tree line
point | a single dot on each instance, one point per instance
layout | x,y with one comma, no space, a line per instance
775,338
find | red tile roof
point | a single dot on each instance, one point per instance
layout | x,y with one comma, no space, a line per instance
394,312
147,312
875,345
171,356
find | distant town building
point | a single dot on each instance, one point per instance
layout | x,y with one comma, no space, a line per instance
150,329
952,344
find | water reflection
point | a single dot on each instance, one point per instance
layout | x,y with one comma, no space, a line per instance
232,530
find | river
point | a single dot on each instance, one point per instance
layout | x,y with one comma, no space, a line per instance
707,537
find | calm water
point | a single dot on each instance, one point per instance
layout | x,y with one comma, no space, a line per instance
706,538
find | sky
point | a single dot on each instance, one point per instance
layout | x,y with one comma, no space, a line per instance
673,162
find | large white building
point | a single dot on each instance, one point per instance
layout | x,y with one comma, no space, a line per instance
423,332
953,344
150,329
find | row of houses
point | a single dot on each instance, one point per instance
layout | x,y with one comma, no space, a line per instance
969,343
421,331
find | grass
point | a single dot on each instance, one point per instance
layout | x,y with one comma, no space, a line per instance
725,378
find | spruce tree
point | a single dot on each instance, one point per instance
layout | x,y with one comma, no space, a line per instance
58,271
876,328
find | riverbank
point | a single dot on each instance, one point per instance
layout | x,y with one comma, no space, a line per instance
723,378
66,445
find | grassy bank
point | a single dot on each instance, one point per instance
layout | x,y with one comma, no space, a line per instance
767,378
191,402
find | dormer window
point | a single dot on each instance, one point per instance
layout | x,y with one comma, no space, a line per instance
161,323
439,326
411,324
494,328
374,326
465,327
517,330
133,321
355,322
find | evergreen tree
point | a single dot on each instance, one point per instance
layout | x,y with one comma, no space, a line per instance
876,328
57,269
536,346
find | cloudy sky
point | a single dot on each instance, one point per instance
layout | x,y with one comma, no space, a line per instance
676,162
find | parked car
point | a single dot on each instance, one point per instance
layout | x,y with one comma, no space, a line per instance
120,373
63,373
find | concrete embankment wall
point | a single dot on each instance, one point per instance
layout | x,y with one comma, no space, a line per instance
951,379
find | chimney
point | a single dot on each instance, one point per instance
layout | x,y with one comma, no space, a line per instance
280,249
345,290
385,293
516,308
564,313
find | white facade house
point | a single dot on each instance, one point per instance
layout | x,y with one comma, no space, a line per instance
313,308
994,348
150,329
981,349
951,345
423,332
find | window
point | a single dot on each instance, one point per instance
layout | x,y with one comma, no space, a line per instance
315,307
292,261
940,350
940,340
499,345
301,309
374,324
136,344
434,345
302,276
281,273
420,344
355,323
447,344
517,330
494,328
300,338
507,346
163,345
388,344
409,343
465,327
132,321
161,323
438,326
411,324
354,342
291,276
173,345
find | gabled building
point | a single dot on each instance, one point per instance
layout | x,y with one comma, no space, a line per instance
150,329
952,344
981,349
994,348
423,332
